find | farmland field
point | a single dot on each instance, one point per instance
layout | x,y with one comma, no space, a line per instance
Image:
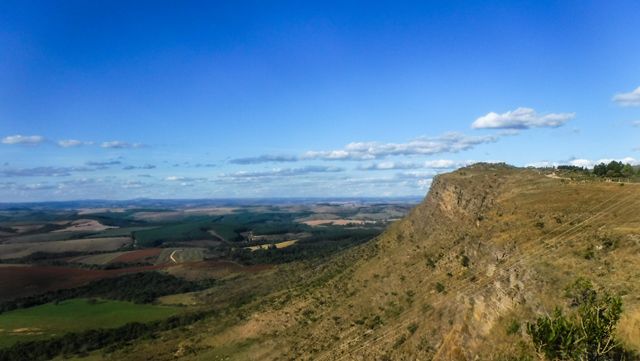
180,255
18,250
19,280
74,315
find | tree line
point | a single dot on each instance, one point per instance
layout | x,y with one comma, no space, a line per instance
613,169
142,287
74,343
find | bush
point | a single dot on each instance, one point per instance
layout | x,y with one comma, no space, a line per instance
513,328
586,335
465,261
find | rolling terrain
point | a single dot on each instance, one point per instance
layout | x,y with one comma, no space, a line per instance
66,268
491,248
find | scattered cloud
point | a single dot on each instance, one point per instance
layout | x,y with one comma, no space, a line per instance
631,99
521,118
23,139
185,181
390,165
146,166
429,164
12,186
103,163
542,164
43,171
446,143
587,163
284,172
636,123
118,144
71,143
266,158
133,184
175,178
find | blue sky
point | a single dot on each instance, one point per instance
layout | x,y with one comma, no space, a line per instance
256,99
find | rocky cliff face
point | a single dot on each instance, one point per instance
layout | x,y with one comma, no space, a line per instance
489,248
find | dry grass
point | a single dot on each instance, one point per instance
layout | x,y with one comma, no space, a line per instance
524,237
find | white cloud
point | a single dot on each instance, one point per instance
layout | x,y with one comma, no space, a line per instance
389,165
175,178
429,164
542,164
105,163
446,143
44,171
70,143
117,144
631,99
636,123
521,118
23,139
266,158
133,167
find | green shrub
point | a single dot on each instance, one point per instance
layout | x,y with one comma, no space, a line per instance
513,327
588,334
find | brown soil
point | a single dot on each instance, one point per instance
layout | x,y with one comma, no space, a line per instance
20,281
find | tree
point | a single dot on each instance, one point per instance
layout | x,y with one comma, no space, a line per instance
627,170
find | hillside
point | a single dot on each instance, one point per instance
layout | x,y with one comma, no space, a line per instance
489,249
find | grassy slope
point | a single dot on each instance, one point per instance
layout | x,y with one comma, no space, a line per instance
526,237
74,315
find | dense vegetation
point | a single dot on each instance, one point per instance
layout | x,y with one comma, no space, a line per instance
144,287
83,342
323,242
587,334
184,231
75,315
613,169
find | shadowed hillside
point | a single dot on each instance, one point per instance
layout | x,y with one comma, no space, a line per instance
491,248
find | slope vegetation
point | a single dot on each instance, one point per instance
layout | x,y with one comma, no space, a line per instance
491,248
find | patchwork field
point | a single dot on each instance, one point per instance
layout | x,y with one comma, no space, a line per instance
18,250
97,259
74,315
142,255
208,258
180,255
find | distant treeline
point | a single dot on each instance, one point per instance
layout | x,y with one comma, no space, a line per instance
143,287
613,169
322,243
87,341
